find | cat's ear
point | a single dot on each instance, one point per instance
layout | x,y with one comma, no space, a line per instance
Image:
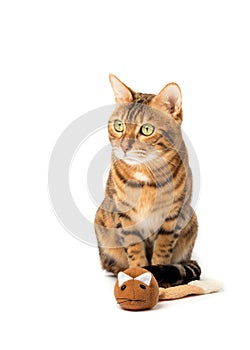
169,100
123,94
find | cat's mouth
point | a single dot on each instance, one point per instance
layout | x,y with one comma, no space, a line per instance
133,157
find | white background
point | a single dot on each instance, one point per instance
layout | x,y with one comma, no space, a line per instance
55,59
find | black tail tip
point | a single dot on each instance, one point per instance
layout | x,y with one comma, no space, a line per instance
175,274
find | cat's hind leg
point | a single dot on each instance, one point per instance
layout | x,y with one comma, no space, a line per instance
113,259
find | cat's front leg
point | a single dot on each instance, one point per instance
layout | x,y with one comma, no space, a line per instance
175,239
134,247
164,244
136,255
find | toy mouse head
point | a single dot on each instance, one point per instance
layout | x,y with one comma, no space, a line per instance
136,289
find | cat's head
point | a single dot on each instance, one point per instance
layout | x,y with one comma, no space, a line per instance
144,127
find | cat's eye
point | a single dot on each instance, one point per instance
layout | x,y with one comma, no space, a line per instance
142,286
147,129
123,287
118,125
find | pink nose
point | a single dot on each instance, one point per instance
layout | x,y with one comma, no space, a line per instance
125,148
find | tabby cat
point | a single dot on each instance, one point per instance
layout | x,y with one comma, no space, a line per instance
146,219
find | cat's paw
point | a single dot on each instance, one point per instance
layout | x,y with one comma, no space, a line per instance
142,261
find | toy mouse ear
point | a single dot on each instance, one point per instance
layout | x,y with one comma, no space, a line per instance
145,278
122,278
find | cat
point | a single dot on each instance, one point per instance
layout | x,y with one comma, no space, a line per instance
146,218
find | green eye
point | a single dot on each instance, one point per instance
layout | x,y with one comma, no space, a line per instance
118,125
147,129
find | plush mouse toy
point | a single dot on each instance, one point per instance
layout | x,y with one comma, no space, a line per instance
137,289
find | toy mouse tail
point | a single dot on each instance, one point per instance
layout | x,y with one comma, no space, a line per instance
175,274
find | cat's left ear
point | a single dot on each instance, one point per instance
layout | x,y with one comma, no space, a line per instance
169,100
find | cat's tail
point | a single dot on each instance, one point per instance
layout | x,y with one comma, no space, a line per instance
175,274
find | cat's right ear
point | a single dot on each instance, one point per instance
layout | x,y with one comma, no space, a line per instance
123,94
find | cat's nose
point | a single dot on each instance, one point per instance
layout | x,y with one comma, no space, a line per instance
125,148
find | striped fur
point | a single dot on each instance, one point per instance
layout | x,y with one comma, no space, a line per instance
146,218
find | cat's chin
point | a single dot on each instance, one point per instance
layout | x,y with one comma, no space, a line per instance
131,161
136,161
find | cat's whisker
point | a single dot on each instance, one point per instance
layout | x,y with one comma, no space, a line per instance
167,160
174,149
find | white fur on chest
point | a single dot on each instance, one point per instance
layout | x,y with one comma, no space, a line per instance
141,177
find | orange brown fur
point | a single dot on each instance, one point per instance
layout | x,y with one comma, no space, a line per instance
146,217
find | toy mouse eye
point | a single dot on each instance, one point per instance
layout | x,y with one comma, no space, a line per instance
123,287
142,286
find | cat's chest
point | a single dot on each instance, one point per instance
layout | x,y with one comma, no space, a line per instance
145,204
149,218
148,209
